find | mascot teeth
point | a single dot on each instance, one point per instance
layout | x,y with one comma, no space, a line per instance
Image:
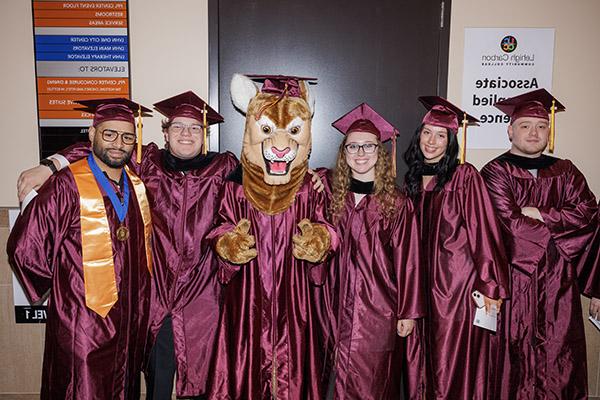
278,165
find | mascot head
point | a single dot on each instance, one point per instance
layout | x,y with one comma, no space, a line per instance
277,136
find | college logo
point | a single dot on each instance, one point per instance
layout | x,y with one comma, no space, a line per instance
508,44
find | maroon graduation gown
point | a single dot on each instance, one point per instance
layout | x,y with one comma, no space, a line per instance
544,336
184,207
588,270
448,357
85,356
379,283
269,338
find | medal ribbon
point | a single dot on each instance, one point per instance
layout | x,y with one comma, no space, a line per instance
120,208
100,284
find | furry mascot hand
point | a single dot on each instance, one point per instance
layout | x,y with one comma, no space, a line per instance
313,243
237,246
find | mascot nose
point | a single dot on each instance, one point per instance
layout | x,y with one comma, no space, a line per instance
280,153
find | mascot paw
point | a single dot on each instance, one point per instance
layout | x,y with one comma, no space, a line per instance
237,246
313,243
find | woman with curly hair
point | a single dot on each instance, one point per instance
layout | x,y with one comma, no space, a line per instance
461,252
378,287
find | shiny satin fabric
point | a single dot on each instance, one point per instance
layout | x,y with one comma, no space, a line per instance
269,335
379,282
588,268
462,252
85,356
142,199
542,342
183,208
96,246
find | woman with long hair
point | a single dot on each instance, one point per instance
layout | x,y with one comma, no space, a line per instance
462,256
378,285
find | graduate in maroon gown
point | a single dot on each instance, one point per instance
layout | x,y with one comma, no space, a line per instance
588,274
379,283
183,182
549,216
86,238
449,357
272,240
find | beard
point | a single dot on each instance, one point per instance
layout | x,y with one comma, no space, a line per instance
102,154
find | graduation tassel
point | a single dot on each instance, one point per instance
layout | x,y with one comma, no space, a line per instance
463,148
138,157
551,138
204,129
394,153
272,103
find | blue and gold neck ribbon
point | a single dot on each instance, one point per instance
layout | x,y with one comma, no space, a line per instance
100,284
120,207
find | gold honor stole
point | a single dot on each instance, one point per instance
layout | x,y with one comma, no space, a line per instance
96,245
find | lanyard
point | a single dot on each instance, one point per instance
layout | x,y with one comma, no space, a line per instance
120,208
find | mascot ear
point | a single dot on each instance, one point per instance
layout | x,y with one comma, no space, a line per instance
242,91
308,96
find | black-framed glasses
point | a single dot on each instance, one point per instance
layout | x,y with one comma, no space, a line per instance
178,127
368,148
110,135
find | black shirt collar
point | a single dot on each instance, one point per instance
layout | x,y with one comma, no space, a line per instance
361,187
541,162
174,163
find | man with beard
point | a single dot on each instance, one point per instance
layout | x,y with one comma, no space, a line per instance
86,238
548,215
183,182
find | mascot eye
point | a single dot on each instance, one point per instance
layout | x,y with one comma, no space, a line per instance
266,129
295,130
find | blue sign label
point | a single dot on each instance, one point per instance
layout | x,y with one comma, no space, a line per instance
81,39
95,56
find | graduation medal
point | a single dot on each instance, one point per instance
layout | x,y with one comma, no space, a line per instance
120,207
122,233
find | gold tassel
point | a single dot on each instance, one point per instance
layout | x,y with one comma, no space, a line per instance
394,153
271,104
551,139
204,129
138,157
463,149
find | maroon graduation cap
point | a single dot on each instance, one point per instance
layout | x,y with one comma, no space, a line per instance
364,118
190,105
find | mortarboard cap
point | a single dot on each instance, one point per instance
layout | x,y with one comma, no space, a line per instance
189,105
443,113
115,109
537,103
364,119
118,109
281,85
446,115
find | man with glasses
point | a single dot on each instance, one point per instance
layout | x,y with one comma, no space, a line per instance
183,181
86,238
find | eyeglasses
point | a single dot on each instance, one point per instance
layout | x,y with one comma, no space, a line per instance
110,135
368,148
178,127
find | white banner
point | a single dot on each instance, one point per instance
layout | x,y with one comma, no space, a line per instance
501,63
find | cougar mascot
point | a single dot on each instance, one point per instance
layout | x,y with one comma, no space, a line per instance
272,240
